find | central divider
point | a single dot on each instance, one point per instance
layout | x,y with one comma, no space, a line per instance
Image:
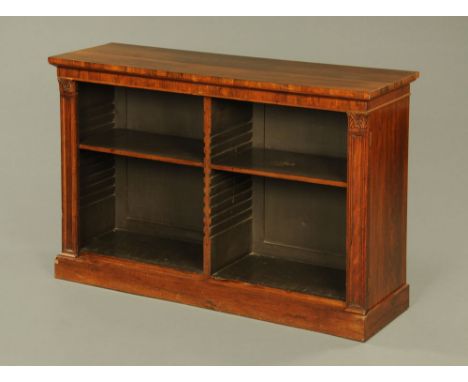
207,124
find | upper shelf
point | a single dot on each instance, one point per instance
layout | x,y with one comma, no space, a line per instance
286,165
138,144
246,72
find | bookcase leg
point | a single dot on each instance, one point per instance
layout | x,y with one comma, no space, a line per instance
69,152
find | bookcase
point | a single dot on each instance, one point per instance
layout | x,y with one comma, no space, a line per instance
265,188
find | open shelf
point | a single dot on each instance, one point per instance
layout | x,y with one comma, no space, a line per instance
139,144
248,200
148,249
277,233
287,275
137,203
280,142
138,209
278,197
143,124
286,165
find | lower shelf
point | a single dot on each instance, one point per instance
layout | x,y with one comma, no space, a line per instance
287,275
171,253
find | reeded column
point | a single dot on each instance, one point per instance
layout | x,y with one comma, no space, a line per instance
69,150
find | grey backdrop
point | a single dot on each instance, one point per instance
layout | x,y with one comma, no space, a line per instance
46,321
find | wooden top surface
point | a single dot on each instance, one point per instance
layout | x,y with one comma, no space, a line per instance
246,72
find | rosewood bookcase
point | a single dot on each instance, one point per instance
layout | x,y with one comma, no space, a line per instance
265,188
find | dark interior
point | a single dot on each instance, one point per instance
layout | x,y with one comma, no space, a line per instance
134,208
142,210
285,226
279,140
147,122
276,232
264,229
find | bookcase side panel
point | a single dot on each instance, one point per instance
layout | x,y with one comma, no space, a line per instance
388,165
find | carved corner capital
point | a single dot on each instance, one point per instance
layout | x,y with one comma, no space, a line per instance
358,123
67,87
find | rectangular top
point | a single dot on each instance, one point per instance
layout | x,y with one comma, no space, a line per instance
338,81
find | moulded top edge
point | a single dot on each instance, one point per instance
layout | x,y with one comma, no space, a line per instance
315,79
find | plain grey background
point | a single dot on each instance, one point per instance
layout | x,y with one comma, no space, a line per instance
47,321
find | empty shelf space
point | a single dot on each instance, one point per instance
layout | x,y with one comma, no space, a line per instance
138,144
286,275
286,165
144,248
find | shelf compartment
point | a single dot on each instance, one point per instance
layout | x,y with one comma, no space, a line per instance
286,165
148,249
143,124
287,275
279,142
138,144
139,209
268,231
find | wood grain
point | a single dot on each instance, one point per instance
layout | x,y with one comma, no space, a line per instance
386,310
139,144
69,155
377,189
388,169
269,304
243,72
286,274
207,124
356,261
286,165
362,298
225,92
147,249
